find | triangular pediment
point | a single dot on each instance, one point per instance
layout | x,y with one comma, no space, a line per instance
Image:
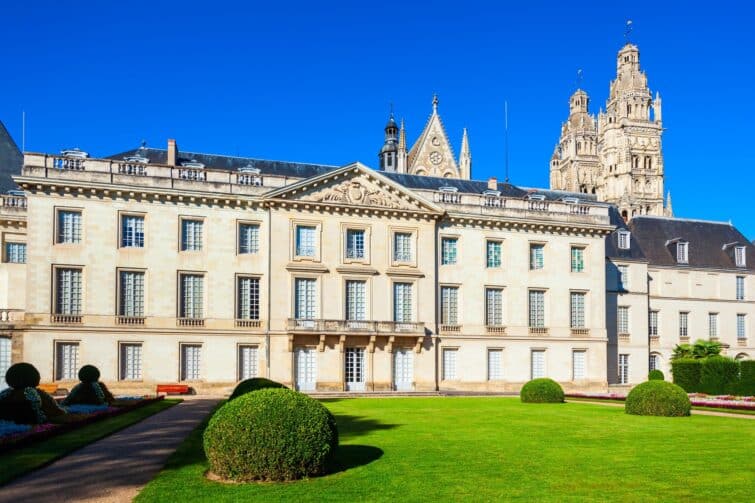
354,185
432,154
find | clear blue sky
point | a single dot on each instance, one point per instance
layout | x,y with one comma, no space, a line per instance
312,81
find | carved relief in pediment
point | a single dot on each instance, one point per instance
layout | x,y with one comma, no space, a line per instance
361,192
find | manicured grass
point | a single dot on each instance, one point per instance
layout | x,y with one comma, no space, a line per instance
17,462
480,449
743,412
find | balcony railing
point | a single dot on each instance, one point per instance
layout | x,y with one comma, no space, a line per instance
129,320
11,201
66,319
538,330
580,332
346,326
11,315
132,168
190,322
68,163
245,323
495,329
450,328
195,175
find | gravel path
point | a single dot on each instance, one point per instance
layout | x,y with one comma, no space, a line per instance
116,467
694,411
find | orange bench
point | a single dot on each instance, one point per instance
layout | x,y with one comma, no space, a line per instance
49,388
175,389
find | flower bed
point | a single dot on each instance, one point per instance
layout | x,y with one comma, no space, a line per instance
78,416
697,400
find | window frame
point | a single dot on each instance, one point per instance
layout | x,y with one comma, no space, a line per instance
453,258
346,229
623,368
533,256
122,215
683,326
7,253
653,326
499,352
581,249
413,246
713,325
538,351
56,360
741,328
500,290
182,364
366,298
740,256
624,237
119,293
444,364
180,311
58,210
55,308
493,242
451,314
239,370
530,324
412,301
577,294
249,223
627,323
121,360
191,218
583,353
316,236
739,286
316,296
682,252
237,304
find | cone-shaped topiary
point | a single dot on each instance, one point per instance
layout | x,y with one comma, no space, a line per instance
656,375
89,373
542,390
22,375
272,434
253,384
657,398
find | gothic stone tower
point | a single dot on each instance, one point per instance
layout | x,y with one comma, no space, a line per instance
627,166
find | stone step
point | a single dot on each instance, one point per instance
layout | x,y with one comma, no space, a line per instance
395,394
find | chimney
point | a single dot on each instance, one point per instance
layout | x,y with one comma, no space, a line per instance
493,183
172,152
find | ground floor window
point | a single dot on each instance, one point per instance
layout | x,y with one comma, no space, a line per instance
5,359
191,358
579,365
538,363
66,361
655,362
131,362
623,369
495,364
247,362
449,363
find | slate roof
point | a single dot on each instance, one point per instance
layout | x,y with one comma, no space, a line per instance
232,163
706,242
612,240
11,160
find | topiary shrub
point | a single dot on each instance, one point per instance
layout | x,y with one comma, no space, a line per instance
718,375
271,434
657,398
22,375
656,375
686,373
89,391
542,390
89,373
253,384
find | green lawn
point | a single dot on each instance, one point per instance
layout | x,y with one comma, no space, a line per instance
412,449
17,462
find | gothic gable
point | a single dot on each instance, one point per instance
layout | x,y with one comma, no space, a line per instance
432,153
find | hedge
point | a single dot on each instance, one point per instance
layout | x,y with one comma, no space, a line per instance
686,373
542,390
656,375
271,434
657,398
253,384
718,375
746,383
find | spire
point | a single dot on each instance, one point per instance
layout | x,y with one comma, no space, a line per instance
435,103
388,153
401,163
465,158
657,115
668,211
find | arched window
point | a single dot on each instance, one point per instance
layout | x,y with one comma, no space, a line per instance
742,356
655,362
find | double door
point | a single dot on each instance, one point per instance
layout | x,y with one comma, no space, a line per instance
403,369
355,369
306,368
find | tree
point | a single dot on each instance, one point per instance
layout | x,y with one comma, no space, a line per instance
699,350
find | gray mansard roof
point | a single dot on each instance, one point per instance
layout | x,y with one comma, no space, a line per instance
711,244
612,240
11,160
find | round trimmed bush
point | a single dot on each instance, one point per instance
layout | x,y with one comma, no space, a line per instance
253,384
22,375
272,434
656,375
657,398
89,373
542,390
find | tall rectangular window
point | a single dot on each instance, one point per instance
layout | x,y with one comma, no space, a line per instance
740,257
623,369
537,364
495,364
577,259
712,325
655,362
69,227
131,362
356,300
493,306
622,320
537,260
66,361
537,309
305,240
191,361
579,365
131,295
132,231
402,247
740,288
494,254
68,291
15,253
577,310
449,305
683,324
449,363
248,298
191,234
305,306
248,362
682,252
192,296
402,302
741,329
653,324
355,244
623,272
249,239
448,251
624,239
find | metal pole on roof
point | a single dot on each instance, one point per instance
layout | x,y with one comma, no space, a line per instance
23,131
506,138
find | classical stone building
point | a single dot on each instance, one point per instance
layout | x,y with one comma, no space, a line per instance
616,156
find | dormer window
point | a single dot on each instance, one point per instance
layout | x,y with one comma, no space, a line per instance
448,189
740,256
682,252
536,197
624,238
74,152
250,169
136,158
491,192
192,164
570,200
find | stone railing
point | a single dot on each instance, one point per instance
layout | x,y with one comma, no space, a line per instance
538,330
346,326
11,315
580,332
244,323
129,320
13,202
495,329
449,328
66,319
190,322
